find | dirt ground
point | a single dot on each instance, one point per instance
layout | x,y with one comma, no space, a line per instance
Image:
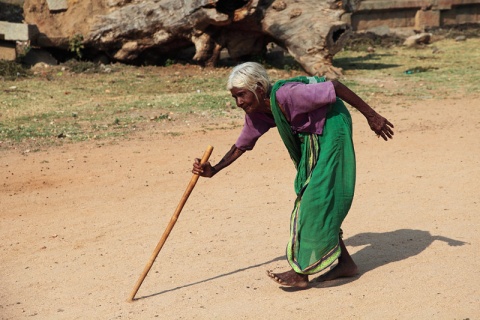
79,222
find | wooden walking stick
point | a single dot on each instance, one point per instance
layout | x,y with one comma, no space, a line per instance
169,228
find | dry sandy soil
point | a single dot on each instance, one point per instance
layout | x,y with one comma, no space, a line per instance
79,222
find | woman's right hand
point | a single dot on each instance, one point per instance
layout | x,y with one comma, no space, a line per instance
203,170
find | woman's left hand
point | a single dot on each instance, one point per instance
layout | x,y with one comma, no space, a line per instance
381,126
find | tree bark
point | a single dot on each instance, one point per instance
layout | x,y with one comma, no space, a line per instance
311,31
128,30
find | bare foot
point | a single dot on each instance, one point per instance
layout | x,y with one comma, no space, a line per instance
346,267
341,270
290,278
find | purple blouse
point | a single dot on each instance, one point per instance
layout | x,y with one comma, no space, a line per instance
305,107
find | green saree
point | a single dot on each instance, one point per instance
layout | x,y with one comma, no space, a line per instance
324,184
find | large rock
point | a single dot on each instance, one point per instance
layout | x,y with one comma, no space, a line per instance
57,28
418,39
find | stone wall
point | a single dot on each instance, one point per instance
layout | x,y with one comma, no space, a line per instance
415,14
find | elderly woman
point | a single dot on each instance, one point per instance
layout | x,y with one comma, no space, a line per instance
316,129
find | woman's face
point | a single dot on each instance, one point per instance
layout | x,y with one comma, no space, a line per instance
247,100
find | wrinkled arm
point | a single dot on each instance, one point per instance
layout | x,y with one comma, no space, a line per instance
381,126
207,170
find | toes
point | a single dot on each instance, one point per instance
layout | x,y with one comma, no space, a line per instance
299,283
274,277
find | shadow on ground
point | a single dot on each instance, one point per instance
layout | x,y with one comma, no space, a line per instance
387,247
380,249
367,62
212,278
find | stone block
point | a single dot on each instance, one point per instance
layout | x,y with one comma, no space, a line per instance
17,31
57,5
7,51
375,5
427,19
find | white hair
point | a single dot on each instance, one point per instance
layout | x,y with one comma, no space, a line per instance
248,75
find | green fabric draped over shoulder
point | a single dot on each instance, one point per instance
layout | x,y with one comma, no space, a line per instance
291,141
324,184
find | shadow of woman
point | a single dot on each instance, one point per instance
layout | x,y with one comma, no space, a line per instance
388,247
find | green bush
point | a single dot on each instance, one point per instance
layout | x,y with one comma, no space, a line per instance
11,70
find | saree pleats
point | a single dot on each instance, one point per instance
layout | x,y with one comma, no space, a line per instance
324,185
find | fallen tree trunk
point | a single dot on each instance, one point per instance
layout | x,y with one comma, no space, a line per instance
132,30
311,31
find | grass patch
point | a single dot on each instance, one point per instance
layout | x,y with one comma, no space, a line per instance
80,101
11,70
440,70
